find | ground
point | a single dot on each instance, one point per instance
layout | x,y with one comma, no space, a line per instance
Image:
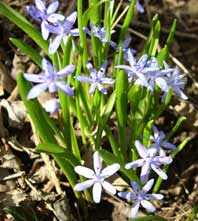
25,185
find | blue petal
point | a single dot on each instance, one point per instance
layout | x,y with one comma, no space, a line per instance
40,5
84,185
36,90
52,105
84,79
147,205
66,71
36,78
52,7
97,190
127,195
55,44
65,88
44,30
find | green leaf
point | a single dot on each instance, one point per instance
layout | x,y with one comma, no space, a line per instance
140,112
107,109
109,158
24,25
28,50
175,128
162,55
151,33
121,89
22,213
58,150
173,155
50,148
171,34
154,40
127,22
164,105
149,218
93,12
35,111
43,130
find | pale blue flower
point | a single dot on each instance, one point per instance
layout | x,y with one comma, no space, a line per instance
100,33
149,161
141,197
49,79
159,142
96,177
155,75
62,30
52,105
45,14
139,6
96,78
136,70
175,81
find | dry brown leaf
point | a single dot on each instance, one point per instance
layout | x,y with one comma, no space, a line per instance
6,82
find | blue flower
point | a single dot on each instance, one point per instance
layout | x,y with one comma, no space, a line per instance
96,177
52,106
175,81
159,142
139,7
149,161
45,14
62,30
155,75
141,197
49,79
96,78
100,33
137,69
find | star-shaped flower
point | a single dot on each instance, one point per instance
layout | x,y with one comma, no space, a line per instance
62,30
149,161
100,33
139,6
96,78
96,177
45,14
52,105
176,81
141,197
136,69
49,79
159,142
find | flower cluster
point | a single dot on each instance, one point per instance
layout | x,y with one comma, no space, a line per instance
143,71
96,78
151,158
52,22
147,73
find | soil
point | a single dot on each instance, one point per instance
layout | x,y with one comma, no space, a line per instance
25,186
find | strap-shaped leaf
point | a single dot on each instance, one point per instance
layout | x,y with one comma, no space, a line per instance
58,150
171,34
173,155
28,50
24,25
151,33
109,158
121,89
104,117
149,218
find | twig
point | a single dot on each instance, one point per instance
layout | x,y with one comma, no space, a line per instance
13,176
